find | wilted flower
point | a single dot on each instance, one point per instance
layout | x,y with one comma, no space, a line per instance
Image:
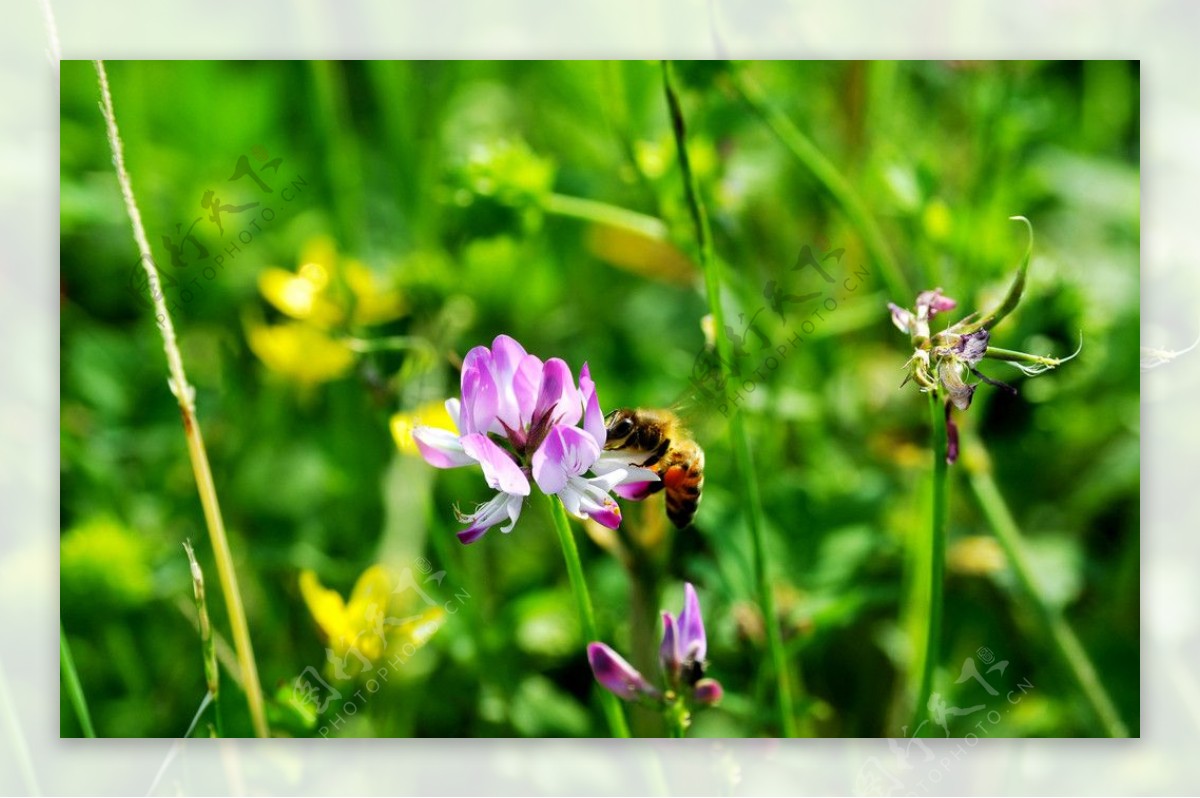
681,657
517,419
944,361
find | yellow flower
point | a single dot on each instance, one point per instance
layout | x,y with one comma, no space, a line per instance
314,293
300,351
430,414
363,627
300,295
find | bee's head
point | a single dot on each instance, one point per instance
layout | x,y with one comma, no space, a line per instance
620,424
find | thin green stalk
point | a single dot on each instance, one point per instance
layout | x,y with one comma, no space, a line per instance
830,178
208,648
678,719
1066,644
73,685
741,442
558,514
932,581
392,343
603,213
185,395
204,702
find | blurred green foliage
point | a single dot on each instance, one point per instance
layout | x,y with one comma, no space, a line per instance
542,200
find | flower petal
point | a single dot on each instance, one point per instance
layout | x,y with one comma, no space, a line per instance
588,498
566,452
616,675
973,346
693,644
607,515
558,399
480,395
441,448
499,469
902,318
933,303
593,418
668,652
635,491
950,375
527,382
454,410
507,355
488,515
612,461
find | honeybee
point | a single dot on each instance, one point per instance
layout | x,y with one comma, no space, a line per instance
656,439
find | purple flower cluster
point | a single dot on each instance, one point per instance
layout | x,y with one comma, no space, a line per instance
518,418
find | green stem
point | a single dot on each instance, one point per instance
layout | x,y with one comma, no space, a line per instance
741,443
934,561
204,702
830,179
185,395
677,719
1066,644
558,514
392,343
208,646
603,213
997,353
74,687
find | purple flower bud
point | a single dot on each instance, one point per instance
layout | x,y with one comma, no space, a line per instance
668,652
616,675
708,692
693,644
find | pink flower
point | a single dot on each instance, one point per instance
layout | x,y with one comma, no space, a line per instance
517,418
